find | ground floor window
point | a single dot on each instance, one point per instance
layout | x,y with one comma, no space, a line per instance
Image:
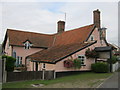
18,61
43,65
82,58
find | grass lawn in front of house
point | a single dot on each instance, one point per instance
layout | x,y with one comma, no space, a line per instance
83,80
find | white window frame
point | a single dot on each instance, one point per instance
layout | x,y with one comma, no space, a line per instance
27,45
19,60
43,65
84,59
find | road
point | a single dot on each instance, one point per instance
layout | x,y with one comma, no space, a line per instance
112,82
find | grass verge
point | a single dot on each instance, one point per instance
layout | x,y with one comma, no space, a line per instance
84,80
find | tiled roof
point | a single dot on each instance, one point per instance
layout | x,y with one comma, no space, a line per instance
56,53
59,44
64,44
73,36
38,40
45,40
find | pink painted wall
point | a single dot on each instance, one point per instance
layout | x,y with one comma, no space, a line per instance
58,67
20,51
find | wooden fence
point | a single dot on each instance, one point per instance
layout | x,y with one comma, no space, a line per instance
29,75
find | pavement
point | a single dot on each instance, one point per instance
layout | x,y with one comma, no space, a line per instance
112,82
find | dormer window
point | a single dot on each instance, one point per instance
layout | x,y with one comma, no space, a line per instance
27,44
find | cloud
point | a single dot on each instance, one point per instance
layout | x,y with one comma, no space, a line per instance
43,16
80,14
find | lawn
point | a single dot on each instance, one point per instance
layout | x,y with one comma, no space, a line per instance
83,80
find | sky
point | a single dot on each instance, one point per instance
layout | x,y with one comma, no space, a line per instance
42,17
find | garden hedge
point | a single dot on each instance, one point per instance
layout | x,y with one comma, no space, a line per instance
100,67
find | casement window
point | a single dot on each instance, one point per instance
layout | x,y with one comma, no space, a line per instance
92,38
27,45
82,58
43,65
18,61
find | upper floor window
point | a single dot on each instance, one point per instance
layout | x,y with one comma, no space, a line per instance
27,44
92,38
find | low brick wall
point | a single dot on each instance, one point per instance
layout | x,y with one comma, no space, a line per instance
29,75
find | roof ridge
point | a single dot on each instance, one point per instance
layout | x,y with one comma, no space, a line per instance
28,32
46,34
79,27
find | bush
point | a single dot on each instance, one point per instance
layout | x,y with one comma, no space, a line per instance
113,60
77,63
10,62
100,67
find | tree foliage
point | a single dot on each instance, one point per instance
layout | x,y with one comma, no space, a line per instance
113,60
77,63
10,62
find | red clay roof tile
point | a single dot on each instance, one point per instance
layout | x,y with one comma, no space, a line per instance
59,44
57,52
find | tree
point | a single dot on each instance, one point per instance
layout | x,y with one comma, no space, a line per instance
10,63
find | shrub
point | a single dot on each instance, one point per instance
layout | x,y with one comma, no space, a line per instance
100,67
68,63
113,60
10,62
77,63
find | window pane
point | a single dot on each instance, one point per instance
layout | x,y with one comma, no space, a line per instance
82,56
44,65
79,56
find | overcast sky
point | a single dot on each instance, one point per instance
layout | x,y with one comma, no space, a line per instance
42,17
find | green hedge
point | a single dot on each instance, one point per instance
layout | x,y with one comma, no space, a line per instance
10,63
100,67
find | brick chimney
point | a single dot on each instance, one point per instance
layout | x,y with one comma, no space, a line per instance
96,18
61,26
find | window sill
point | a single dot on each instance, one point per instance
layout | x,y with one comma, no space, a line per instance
83,65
